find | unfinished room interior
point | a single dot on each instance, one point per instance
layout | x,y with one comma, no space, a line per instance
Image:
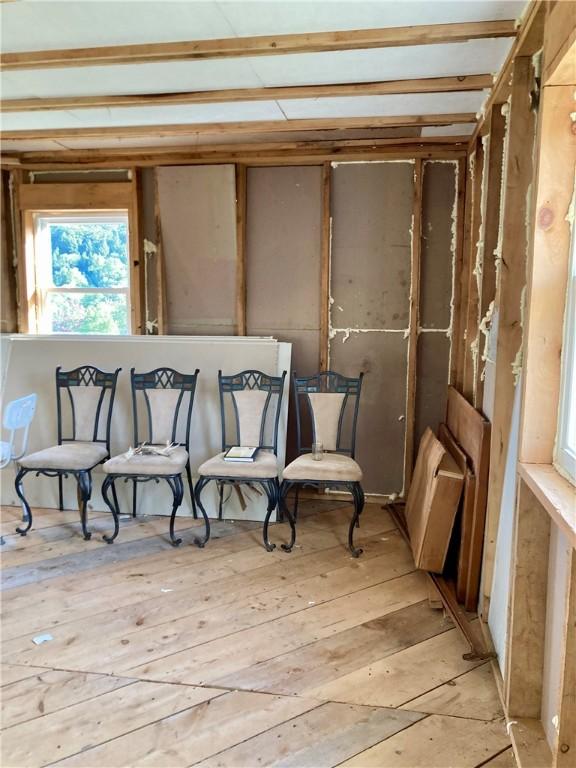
288,332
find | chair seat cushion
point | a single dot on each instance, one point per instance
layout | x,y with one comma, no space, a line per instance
74,456
149,464
265,465
332,466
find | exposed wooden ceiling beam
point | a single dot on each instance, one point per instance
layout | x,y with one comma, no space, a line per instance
272,126
420,85
253,153
266,45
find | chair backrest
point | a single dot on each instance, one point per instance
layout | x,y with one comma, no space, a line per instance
331,403
168,396
91,398
256,399
18,414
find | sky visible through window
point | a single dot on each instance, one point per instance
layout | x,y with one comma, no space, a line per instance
89,259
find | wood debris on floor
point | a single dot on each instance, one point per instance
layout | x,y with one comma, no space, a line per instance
234,656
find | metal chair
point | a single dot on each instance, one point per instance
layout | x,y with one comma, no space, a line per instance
251,402
18,415
166,398
91,398
331,402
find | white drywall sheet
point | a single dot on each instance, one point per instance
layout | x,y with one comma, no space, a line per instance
31,368
498,613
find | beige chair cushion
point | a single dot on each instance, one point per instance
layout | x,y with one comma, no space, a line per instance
326,408
264,466
85,401
162,409
75,455
333,466
147,465
250,405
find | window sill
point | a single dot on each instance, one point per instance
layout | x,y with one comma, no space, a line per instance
556,494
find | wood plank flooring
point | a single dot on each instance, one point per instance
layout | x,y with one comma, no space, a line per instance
233,656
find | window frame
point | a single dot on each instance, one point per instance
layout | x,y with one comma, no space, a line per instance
38,218
564,456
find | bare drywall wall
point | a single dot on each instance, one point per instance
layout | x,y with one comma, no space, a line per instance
438,228
381,419
437,263
371,211
370,256
9,323
283,251
433,353
198,215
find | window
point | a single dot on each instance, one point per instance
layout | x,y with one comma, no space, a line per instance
566,436
81,273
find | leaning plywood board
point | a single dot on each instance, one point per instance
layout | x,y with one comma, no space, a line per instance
472,432
432,503
466,510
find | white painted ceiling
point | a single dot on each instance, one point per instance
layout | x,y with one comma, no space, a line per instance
44,24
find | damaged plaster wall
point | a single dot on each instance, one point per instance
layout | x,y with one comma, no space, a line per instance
283,254
369,312
198,214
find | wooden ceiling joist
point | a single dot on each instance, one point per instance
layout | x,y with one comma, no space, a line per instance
267,153
256,126
420,85
267,45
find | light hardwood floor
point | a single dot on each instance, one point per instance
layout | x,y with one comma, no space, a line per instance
231,655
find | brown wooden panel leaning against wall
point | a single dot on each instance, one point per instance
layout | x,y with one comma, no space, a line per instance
370,256
198,222
9,322
283,248
381,422
438,230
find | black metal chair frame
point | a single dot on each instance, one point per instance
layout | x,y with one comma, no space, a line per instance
325,381
85,375
248,379
159,378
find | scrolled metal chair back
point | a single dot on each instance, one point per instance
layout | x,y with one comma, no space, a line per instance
330,401
168,397
90,398
256,400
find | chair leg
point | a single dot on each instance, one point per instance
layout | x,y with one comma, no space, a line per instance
191,488
280,493
272,492
202,482
23,530
115,497
358,496
84,493
220,499
113,506
296,499
134,496
177,488
60,493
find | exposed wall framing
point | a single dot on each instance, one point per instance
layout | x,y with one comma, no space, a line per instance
510,283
